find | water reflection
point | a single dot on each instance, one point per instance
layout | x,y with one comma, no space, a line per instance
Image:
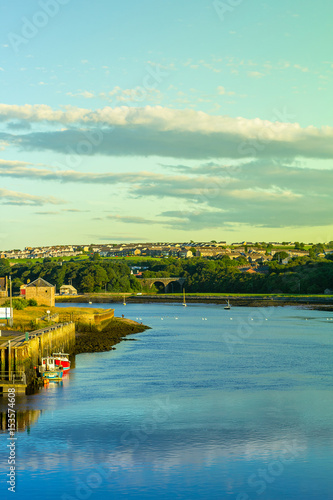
178,415
24,419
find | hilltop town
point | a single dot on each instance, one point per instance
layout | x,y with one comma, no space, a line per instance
253,252
288,267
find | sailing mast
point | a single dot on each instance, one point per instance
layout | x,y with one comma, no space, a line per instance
228,305
184,301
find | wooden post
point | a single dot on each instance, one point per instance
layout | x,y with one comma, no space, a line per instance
9,359
3,360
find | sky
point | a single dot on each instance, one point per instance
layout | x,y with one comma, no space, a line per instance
165,121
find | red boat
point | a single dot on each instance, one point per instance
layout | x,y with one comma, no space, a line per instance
61,359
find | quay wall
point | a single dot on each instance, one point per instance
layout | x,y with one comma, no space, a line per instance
25,355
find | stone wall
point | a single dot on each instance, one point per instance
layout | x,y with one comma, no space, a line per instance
108,314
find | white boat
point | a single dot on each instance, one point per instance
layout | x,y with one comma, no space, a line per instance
50,370
184,300
228,306
124,301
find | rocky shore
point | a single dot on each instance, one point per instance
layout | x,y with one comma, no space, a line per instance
91,338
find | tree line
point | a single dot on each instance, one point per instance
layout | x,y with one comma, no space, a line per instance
306,275
95,275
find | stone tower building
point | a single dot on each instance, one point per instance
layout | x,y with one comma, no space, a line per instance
40,290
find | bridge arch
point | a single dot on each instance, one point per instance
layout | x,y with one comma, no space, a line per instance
173,285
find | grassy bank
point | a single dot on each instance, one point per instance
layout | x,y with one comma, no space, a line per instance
27,319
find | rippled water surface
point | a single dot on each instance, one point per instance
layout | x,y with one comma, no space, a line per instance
208,404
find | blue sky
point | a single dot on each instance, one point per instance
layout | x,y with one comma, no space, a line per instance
165,121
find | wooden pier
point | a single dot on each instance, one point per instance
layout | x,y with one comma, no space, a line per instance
13,380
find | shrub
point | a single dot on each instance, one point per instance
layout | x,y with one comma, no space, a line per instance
32,302
18,304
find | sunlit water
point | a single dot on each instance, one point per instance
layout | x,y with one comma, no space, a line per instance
208,404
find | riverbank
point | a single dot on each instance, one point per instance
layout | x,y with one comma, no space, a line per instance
91,338
323,302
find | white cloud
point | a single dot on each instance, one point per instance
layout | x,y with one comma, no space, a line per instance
258,192
156,130
15,198
84,93
222,91
255,74
137,94
304,69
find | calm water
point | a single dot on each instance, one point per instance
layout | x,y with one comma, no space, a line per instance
208,404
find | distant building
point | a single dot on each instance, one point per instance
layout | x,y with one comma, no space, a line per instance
206,252
40,290
3,288
248,270
68,290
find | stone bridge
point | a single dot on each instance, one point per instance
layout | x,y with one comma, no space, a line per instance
170,284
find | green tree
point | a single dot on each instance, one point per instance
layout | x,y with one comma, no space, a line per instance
279,256
87,284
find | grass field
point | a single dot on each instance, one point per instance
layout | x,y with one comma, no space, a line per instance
53,259
25,320
80,258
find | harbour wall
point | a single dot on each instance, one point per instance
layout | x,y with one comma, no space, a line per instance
24,353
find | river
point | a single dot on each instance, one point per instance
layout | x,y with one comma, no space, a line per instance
208,404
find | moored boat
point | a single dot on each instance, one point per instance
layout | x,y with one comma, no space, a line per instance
61,359
49,370
53,374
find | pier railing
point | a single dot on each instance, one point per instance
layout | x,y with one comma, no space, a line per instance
13,376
